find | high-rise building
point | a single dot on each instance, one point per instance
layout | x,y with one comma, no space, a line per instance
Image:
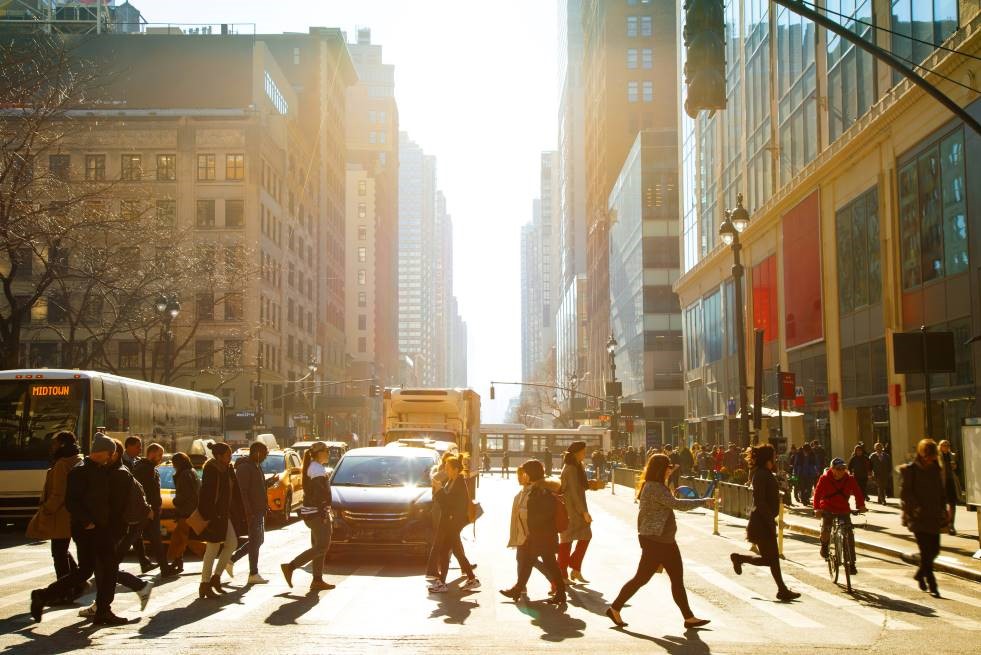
550,208
458,348
572,145
863,224
531,298
372,143
625,91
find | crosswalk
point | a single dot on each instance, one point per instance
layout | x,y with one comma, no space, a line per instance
385,597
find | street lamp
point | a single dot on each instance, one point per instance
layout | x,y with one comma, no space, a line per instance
312,366
573,383
169,307
735,222
613,390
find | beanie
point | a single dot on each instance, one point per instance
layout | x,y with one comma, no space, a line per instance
102,444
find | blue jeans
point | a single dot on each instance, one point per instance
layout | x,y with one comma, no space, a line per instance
257,535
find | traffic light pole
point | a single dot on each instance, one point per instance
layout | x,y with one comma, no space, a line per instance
882,55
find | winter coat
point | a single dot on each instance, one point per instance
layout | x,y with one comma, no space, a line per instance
732,460
145,472
453,500
215,500
655,517
542,535
574,494
120,483
923,498
252,486
187,488
766,505
881,465
860,466
520,503
687,461
951,482
831,495
52,520
87,496
805,465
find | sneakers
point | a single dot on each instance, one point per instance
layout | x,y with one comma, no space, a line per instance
824,551
37,605
438,587
786,594
737,563
288,573
255,578
144,595
471,583
88,612
109,619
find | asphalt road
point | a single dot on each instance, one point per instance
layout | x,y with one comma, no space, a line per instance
381,603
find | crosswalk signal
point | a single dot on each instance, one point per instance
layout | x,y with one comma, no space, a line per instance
705,56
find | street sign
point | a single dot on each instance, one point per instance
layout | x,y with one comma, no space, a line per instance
731,407
788,385
300,417
911,348
632,410
614,389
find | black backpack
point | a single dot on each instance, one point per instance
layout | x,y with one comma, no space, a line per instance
136,509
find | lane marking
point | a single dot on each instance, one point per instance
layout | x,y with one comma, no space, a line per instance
779,612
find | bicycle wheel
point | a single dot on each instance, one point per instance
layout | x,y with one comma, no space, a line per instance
849,557
836,554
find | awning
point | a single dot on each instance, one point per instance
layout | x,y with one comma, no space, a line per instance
769,412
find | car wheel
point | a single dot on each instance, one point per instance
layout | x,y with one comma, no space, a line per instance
287,508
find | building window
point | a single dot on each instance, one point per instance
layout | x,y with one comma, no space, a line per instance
59,165
362,187
631,58
859,268
206,168
204,306
362,254
851,72
647,58
235,167
362,344
362,233
362,210
646,26
933,212
712,326
129,354
205,215
234,307
130,167
167,212
95,167
130,210
928,22
204,353
362,321
362,277
296,56
233,353
648,91
372,137
631,92
234,213
631,26
362,299
167,167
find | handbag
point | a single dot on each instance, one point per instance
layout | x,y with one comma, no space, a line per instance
474,511
197,523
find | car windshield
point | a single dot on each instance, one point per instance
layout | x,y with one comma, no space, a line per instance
272,463
382,471
166,472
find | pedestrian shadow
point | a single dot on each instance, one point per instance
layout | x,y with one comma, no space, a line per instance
455,610
690,644
880,601
556,625
588,599
64,640
288,613
168,620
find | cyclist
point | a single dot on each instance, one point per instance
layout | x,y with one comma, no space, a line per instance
831,499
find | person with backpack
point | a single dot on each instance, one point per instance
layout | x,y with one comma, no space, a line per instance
519,530
132,450
453,499
145,471
924,504
316,514
52,521
574,486
128,510
187,488
656,529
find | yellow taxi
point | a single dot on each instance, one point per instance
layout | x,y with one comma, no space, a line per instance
284,481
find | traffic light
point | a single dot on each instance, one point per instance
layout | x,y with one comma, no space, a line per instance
374,390
257,392
705,56
492,392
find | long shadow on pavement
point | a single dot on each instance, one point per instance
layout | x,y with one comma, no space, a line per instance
455,609
168,620
556,625
690,644
879,601
288,613
587,599
64,640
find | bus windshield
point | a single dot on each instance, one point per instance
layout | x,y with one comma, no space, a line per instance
32,412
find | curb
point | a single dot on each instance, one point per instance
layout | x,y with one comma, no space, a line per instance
908,557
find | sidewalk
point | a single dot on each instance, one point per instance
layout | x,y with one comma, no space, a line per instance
880,530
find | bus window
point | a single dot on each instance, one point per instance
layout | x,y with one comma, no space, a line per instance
31,413
115,406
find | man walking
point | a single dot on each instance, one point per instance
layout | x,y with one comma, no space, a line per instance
145,472
506,464
252,485
132,449
882,470
87,500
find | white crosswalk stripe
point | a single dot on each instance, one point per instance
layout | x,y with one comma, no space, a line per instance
847,604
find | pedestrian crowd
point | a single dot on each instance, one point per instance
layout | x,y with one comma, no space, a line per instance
109,502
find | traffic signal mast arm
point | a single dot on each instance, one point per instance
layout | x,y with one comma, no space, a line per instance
883,55
550,386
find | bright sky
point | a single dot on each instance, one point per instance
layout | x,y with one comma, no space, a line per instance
476,86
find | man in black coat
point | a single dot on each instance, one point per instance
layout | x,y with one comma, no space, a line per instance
87,501
145,472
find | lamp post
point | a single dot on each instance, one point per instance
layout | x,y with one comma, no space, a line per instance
573,383
735,222
312,366
168,307
613,390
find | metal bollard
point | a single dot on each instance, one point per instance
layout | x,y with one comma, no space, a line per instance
780,530
715,512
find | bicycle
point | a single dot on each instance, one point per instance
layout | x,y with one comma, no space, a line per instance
842,548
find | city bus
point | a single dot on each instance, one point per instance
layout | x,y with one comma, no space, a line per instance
36,404
522,442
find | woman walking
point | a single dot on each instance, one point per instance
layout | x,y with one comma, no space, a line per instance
948,464
924,504
51,521
187,488
656,529
574,486
316,514
453,500
215,506
762,528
